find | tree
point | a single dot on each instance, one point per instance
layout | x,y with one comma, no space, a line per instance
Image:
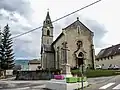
6,51
0,45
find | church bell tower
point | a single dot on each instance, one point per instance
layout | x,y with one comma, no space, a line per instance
46,41
47,31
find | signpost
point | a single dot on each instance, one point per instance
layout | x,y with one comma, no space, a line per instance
82,76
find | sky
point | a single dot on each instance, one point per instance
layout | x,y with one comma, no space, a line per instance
24,15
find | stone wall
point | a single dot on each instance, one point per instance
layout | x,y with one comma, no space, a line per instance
34,75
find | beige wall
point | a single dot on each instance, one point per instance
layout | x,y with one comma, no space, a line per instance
107,62
72,37
58,44
33,66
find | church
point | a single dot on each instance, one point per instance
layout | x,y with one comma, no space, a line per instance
78,40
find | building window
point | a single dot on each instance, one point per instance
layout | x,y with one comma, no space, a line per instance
79,43
105,58
48,41
102,64
58,61
48,32
97,59
78,28
111,57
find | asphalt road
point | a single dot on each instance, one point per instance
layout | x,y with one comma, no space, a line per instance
102,83
108,83
21,85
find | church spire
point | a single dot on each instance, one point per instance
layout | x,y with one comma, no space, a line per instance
48,21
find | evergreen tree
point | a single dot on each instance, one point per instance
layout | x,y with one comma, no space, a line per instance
6,51
0,46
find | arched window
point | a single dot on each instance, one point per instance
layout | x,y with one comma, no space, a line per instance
48,32
48,41
80,54
79,43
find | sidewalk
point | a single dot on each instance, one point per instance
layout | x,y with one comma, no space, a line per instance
9,78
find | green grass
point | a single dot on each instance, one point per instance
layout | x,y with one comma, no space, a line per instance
98,73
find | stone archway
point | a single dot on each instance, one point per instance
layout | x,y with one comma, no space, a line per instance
80,59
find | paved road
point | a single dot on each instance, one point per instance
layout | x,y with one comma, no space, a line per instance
22,85
112,83
102,83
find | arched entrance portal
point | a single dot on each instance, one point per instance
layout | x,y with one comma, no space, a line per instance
80,59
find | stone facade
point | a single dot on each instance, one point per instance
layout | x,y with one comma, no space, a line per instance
72,34
47,53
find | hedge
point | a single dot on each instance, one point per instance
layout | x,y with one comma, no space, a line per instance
97,73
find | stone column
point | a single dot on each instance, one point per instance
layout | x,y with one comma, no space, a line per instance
66,67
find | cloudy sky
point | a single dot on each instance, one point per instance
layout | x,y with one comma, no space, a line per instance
24,15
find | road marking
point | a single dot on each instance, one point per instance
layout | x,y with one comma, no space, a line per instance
106,86
23,88
117,87
40,86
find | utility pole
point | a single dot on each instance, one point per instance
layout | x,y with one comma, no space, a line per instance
81,64
82,76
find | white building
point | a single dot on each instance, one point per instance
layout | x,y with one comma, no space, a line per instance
109,56
33,64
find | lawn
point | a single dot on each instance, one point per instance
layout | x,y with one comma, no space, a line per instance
98,73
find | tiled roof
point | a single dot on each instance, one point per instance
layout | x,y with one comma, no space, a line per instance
47,48
57,38
110,51
34,61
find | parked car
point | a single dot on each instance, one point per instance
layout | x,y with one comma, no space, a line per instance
116,67
104,67
113,67
98,67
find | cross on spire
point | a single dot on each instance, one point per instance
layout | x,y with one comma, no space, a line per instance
48,22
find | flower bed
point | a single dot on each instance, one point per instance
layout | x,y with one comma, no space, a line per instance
71,79
59,77
75,79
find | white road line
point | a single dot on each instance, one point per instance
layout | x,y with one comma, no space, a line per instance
23,88
106,86
40,86
117,87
